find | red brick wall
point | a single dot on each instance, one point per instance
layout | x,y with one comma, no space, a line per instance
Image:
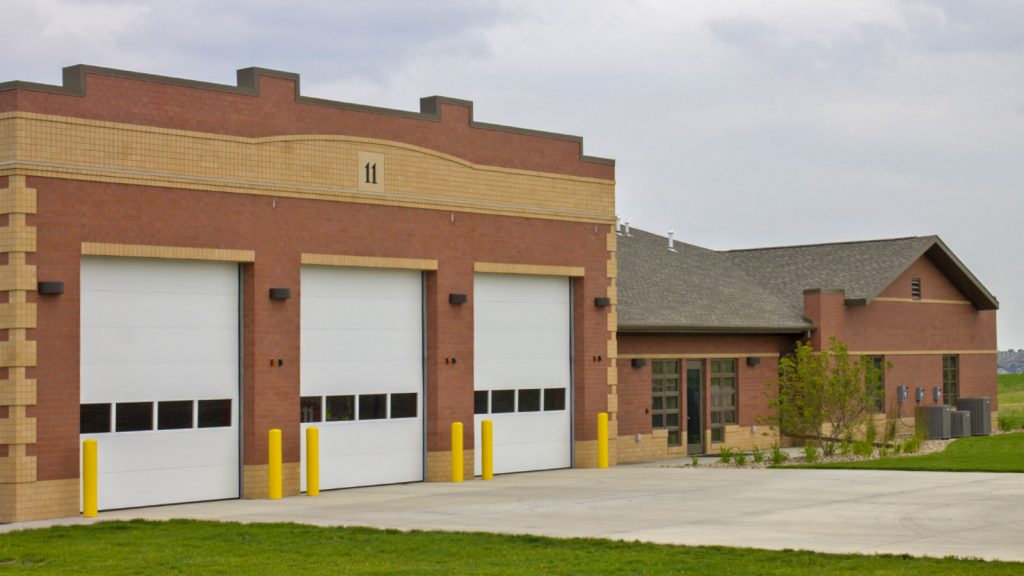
275,112
886,327
72,212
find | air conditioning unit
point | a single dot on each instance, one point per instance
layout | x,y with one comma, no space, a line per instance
933,421
960,423
981,414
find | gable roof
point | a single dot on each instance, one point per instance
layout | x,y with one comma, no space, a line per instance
695,289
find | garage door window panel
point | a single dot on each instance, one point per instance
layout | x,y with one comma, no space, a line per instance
95,418
481,402
174,415
214,413
529,400
373,406
310,409
404,405
503,401
341,408
133,416
554,399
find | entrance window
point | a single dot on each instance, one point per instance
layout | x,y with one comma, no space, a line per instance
878,365
665,413
950,379
723,397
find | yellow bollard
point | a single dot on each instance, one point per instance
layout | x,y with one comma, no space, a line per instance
312,461
274,465
602,440
90,482
456,451
487,456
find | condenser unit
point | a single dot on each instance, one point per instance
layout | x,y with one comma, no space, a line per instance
933,421
960,423
981,414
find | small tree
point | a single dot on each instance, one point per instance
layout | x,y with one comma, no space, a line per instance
824,395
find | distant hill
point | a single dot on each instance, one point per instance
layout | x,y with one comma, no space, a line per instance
1010,361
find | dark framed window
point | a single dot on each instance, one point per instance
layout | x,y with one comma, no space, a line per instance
665,405
341,408
503,401
950,379
877,364
310,409
215,413
174,415
724,387
480,402
404,405
529,400
133,416
373,406
554,399
94,418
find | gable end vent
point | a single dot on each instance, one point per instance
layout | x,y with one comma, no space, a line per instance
915,288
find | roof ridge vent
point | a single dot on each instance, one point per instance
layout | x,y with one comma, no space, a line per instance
671,245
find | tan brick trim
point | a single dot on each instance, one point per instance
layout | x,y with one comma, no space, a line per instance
692,356
19,497
172,252
17,390
17,315
320,167
534,269
921,301
369,261
921,352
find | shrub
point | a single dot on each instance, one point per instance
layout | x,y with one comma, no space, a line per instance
883,452
694,460
863,448
778,456
810,454
741,459
897,448
828,448
758,455
911,445
890,430
870,432
726,455
845,447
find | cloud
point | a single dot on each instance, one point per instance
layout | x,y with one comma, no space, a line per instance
737,123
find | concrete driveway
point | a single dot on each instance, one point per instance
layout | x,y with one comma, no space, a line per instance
920,513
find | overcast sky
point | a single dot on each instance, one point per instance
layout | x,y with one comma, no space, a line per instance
736,124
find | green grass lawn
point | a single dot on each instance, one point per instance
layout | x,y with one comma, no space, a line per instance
1000,453
189,547
1011,400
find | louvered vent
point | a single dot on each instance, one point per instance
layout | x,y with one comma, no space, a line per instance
915,288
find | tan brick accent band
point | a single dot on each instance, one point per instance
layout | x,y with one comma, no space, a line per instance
369,262
255,483
311,166
21,497
920,301
536,270
685,355
172,252
921,352
439,465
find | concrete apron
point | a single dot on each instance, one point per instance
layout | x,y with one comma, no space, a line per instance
920,513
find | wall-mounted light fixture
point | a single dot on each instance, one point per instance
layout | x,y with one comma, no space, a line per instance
280,293
638,362
753,360
50,288
602,301
457,299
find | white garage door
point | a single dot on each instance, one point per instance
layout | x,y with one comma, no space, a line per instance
160,379
521,370
362,374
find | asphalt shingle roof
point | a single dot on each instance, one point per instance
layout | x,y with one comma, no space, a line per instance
761,290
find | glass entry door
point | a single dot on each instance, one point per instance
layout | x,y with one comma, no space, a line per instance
694,407
665,399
